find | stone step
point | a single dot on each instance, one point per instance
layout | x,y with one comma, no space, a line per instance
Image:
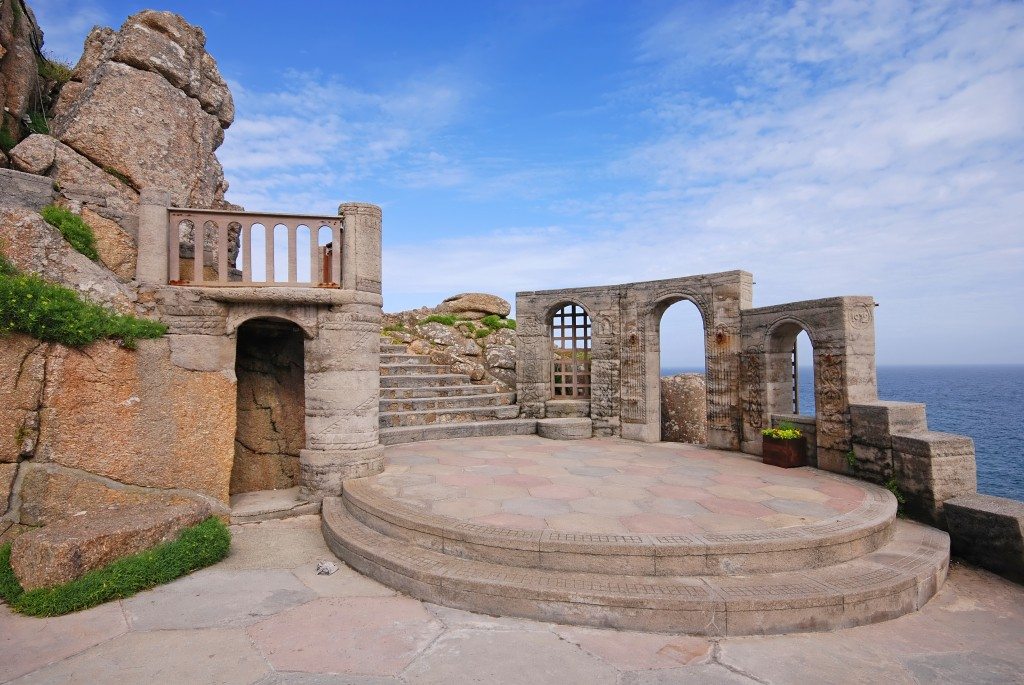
424,380
894,580
412,369
429,417
491,399
476,429
265,505
792,548
432,391
389,348
402,358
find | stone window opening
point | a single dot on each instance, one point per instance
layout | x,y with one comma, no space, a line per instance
571,335
791,387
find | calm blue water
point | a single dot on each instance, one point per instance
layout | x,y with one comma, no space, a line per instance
984,402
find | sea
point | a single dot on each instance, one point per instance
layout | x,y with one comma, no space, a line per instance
985,402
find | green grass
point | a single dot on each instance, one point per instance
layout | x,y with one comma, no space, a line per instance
53,313
196,547
7,139
37,123
893,486
73,228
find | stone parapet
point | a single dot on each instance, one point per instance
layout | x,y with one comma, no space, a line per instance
932,467
988,531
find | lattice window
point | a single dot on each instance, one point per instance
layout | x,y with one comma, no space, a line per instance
570,367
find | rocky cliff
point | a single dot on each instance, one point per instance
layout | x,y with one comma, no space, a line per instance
102,426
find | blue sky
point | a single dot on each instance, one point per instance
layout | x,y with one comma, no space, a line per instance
830,147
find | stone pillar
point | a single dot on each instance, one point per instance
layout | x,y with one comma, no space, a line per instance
342,400
932,467
361,255
151,264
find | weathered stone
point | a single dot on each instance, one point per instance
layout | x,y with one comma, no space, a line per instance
988,531
115,246
501,357
25,191
35,246
565,429
64,551
270,431
150,423
35,154
684,408
439,334
7,474
20,83
932,467
164,43
4,160
51,493
474,305
23,360
170,149
82,182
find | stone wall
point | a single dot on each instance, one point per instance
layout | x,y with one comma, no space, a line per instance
270,431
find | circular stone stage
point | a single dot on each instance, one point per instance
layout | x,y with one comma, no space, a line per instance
664,537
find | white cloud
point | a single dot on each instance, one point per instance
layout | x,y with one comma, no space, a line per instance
850,148
65,24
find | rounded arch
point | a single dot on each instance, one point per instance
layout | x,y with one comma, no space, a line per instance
662,302
656,311
553,309
236,321
785,385
570,329
782,333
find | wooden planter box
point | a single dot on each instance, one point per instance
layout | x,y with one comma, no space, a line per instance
785,453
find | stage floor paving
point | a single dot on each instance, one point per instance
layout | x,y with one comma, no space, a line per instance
609,486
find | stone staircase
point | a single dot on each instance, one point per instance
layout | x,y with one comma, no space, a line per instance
420,400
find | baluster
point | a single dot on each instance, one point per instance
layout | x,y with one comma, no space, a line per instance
198,249
222,251
316,271
337,237
269,227
292,249
246,238
174,264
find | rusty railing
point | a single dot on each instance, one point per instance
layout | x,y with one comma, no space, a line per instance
217,240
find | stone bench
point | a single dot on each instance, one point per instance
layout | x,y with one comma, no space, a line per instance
988,531
565,429
66,550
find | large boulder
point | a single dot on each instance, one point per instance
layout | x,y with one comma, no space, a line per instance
684,408
66,550
474,305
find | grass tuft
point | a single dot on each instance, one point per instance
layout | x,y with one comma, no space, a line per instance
73,228
495,322
37,123
55,69
196,547
7,139
446,319
53,313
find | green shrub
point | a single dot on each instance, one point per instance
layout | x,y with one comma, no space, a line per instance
893,486
495,322
196,547
784,431
396,328
482,333
54,69
53,313
73,228
446,319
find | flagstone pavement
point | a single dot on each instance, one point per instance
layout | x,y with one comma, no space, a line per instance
264,617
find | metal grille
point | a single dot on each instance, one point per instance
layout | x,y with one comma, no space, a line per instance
570,368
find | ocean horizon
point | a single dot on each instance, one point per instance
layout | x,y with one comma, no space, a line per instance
983,401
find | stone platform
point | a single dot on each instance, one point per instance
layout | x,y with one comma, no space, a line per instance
606,532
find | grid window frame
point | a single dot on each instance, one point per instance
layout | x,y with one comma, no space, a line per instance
572,342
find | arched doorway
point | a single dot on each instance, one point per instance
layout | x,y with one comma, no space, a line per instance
790,380
270,427
572,343
682,367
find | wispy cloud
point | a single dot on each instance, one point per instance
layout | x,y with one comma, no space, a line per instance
65,25
847,148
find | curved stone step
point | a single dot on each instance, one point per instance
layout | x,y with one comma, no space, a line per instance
402,358
475,429
490,399
428,417
430,391
412,369
424,380
389,348
894,580
846,537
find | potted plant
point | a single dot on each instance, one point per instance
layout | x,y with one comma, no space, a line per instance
784,445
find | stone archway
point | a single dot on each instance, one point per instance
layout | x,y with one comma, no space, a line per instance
270,426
